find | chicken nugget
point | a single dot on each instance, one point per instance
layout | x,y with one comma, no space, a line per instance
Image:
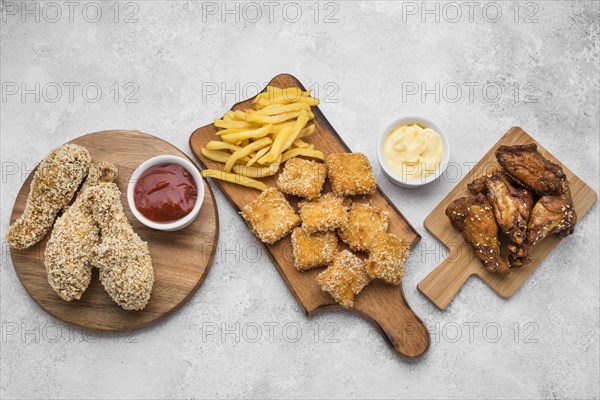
364,221
270,216
312,250
304,178
387,257
350,174
68,254
54,185
326,213
344,278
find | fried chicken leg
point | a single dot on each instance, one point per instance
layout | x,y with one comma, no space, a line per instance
511,206
527,166
474,217
123,258
53,187
550,215
69,250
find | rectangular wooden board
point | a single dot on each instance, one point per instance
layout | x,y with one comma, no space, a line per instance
383,304
442,284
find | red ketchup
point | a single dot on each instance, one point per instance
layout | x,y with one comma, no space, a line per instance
165,193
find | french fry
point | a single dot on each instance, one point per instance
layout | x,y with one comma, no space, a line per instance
240,115
311,101
281,109
309,130
259,144
302,152
277,147
234,178
258,155
273,93
300,123
251,134
267,135
254,172
278,127
228,131
218,145
220,156
219,123
272,119
299,143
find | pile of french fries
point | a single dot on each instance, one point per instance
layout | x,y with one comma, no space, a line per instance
255,142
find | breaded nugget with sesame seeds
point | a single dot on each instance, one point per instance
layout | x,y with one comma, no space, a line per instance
364,222
270,216
304,178
350,174
312,250
387,257
344,278
68,254
54,185
326,213
123,258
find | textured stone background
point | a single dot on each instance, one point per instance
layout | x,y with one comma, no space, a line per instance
177,65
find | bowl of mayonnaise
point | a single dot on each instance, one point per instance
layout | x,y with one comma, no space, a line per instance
413,152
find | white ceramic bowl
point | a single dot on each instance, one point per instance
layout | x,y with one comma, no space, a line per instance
180,223
412,183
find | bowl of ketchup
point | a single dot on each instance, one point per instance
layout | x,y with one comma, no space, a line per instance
166,193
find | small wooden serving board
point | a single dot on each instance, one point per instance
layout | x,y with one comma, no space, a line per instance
444,282
181,259
385,305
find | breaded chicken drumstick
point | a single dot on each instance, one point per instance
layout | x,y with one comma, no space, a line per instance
54,184
122,257
69,250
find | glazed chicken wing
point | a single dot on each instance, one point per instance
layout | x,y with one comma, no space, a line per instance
529,168
474,217
511,206
551,214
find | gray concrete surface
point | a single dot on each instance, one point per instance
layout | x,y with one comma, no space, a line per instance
167,68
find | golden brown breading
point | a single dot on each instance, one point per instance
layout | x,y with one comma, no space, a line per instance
270,216
304,178
68,252
350,174
326,213
364,221
344,278
53,186
312,250
387,257
123,258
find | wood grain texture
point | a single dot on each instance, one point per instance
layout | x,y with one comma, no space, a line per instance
444,282
181,259
384,305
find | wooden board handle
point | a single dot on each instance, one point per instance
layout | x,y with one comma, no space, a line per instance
444,282
401,327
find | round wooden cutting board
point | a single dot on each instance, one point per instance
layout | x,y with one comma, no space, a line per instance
181,259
